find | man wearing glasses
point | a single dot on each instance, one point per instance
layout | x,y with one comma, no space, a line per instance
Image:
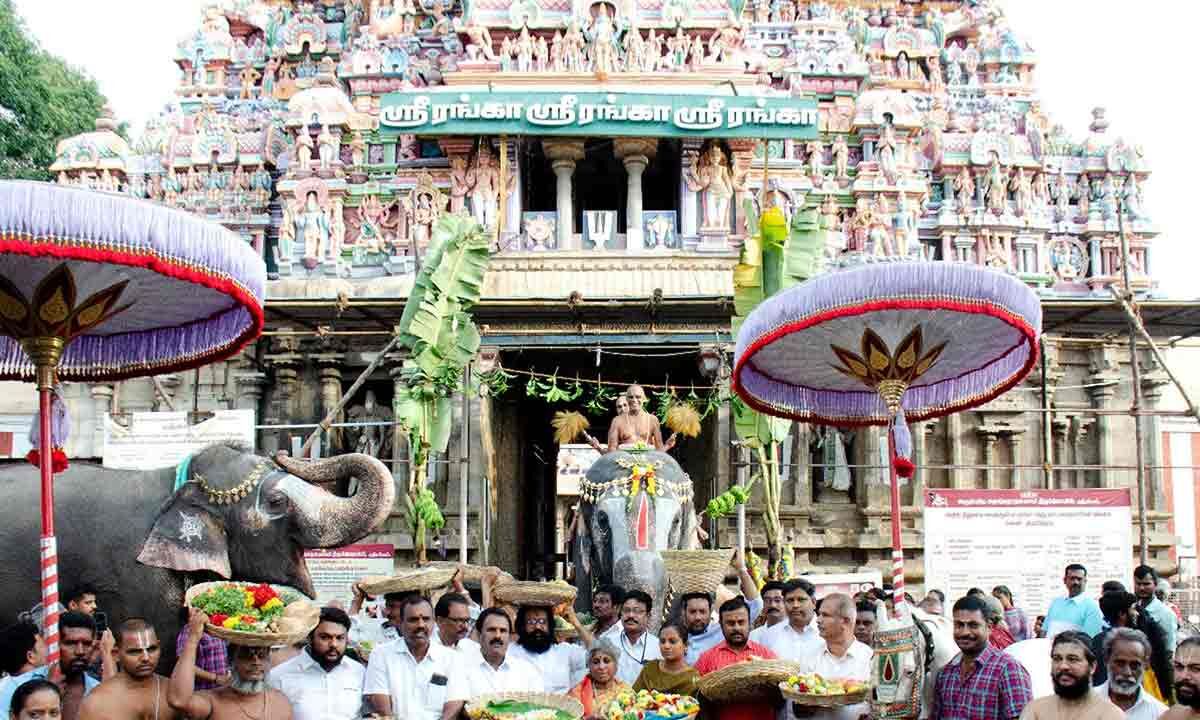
562,665
453,617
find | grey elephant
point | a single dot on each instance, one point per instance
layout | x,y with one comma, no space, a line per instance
635,504
141,542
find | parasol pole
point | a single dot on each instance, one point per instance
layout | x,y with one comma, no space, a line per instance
897,544
45,352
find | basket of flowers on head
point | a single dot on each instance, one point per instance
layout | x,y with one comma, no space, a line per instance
255,614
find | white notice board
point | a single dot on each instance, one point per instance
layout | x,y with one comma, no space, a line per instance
1025,539
154,440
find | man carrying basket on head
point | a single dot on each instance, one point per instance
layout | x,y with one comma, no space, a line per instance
247,694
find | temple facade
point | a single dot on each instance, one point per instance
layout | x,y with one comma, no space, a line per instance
613,150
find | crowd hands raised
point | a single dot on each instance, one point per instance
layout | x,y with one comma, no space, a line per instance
1086,658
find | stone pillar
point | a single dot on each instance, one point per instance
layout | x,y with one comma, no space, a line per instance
330,374
689,222
102,396
1061,479
250,385
1154,380
1079,430
1014,442
512,212
286,363
636,153
563,155
956,477
988,436
1104,371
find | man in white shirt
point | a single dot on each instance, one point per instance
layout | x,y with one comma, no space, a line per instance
452,614
774,609
321,683
562,665
841,657
367,628
798,637
703,633
1127,655
408,678
491,669
636,645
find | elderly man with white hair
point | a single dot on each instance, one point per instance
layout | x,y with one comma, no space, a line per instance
1127,656
840,656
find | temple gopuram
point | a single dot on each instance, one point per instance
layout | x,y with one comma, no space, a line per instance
613,150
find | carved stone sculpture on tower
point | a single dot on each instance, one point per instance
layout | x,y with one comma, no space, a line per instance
304,152
574,48
712,178
1022,192
997,187
479,39
484,179
604,43
841,157
888,151
327,148
312,227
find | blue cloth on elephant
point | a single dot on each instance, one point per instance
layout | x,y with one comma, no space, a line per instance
9,685
181,473
710,638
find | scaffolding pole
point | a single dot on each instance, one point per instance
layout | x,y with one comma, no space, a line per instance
1135,406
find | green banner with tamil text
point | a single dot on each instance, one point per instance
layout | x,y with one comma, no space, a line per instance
598,114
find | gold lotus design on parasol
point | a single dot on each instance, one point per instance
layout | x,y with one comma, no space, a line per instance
888,373
53,315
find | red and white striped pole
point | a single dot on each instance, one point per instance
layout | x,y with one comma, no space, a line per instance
898,601
49,546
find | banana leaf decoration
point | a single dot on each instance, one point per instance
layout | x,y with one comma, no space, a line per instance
442,339
774,257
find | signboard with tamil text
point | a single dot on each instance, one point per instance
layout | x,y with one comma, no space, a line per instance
152,440
599,115
335,571
1025,539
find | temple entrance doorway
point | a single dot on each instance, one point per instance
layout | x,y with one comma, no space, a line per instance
535,506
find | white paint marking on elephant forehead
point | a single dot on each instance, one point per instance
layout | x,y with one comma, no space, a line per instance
190,528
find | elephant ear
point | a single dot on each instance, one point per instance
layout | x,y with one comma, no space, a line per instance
187,536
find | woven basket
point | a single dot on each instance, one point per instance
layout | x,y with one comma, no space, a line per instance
298,620
696,570
753,681
564,703
472,574
543,594
825,701
417,580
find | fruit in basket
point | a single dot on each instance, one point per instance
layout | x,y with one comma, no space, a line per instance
250,608
644,704
814,684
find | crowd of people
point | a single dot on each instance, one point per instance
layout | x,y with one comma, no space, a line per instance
1112,657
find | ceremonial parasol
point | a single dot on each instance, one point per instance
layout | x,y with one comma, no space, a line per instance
101,287
881,343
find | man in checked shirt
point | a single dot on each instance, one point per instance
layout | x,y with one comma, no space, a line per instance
982,683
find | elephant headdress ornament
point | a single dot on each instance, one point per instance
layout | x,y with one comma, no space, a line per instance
634,505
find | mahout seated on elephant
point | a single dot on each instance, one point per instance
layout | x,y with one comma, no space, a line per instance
142,538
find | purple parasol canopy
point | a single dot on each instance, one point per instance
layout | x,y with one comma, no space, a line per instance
947,336
97,286
882,342
133,288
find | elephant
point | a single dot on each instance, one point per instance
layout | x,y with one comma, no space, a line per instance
141,541
634,504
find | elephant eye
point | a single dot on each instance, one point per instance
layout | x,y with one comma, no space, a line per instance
277,500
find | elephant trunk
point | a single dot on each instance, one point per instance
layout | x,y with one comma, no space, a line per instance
643,570
327,520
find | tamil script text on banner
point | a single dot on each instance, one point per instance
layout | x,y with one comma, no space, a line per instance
599,115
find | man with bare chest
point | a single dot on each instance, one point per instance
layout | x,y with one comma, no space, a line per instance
636,425
247,698
137,692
